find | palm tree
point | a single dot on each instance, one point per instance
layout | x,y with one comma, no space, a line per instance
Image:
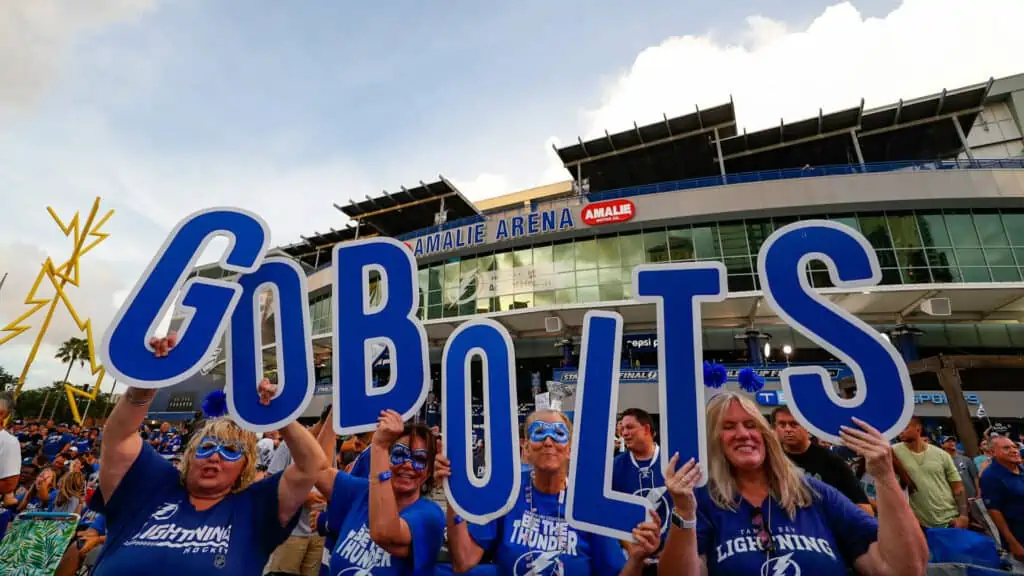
71,351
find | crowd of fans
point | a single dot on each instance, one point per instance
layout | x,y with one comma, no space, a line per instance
216,499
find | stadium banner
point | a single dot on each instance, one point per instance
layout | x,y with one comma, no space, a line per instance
649,375
365,328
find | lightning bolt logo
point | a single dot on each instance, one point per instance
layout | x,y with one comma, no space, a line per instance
543,561
84,239
781,566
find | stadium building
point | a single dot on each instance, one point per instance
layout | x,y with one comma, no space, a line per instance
935,183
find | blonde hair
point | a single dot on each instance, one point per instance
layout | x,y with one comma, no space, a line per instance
226,430
786,484
71,485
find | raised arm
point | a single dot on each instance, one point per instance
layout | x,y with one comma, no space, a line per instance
389,530
680,555
307,462
465,552
900,548
327,439
121,441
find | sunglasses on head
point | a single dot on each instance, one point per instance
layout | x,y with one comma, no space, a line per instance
764,537
540,430
229,450
400,454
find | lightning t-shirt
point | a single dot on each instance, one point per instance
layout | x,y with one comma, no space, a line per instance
644,478
355,554
153,529
541,540
824,538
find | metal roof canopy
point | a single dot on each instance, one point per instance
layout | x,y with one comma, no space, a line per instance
411,209
673,149
309,250
921,129
819,141
880,304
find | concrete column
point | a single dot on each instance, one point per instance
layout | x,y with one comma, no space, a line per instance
949,379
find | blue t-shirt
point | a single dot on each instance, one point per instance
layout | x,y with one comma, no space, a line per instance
361,465
154,529
5,519
54,443
539,539
640,479
348,516
824,538
35,504
82,444
1004,491
99,524
170,445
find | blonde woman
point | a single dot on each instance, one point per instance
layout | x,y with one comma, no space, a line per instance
209,518
70,493
758,514
534,538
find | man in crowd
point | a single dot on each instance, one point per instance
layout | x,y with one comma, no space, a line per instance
299,555
1002,487
939,500
968,471
638,470
55,441
10,449
817,461
265,450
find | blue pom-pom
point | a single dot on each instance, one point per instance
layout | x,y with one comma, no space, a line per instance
215,404
715,374
750,380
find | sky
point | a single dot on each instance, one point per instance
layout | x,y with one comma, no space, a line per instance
164,108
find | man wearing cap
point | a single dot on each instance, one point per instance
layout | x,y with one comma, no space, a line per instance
10,449
968,471
1002,486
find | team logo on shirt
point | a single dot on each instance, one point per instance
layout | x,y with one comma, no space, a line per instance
165,511
657,497
535,563
780,566
361,552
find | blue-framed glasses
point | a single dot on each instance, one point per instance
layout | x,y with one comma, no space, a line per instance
400,454
229,450
541,430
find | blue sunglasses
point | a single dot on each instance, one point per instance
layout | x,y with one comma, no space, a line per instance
557,431
229,451
400,454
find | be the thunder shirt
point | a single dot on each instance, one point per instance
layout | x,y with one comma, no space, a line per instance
153,529
540,542
824,538
354,553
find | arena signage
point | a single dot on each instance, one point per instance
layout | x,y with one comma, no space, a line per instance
489,231
608,212
228,310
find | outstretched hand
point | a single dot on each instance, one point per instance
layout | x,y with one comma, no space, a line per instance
647,536
389,428
680,484
869,443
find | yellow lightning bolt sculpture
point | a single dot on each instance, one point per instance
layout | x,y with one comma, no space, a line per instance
85,237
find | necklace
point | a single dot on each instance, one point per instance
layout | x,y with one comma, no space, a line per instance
560,526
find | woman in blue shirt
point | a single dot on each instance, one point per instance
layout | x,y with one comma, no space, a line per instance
383,525
208,519
758,514
534,538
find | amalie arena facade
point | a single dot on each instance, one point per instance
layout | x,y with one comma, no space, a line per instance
935,183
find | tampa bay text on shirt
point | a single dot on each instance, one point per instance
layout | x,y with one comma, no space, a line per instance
785,538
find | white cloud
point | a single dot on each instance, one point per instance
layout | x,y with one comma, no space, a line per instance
35,37
774,71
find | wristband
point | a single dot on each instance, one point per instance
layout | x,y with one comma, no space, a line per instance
458,520
682,523
384,476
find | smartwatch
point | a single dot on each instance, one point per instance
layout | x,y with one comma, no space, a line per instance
682,523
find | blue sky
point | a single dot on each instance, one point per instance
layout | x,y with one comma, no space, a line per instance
163,108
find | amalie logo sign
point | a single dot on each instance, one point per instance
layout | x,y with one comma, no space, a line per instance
608,212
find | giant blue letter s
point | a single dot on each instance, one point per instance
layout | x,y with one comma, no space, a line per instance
884,392
359,323
481,500
286,281
209,303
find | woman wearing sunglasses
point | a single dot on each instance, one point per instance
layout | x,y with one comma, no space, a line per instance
760,515
534,538
208,519
383,525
